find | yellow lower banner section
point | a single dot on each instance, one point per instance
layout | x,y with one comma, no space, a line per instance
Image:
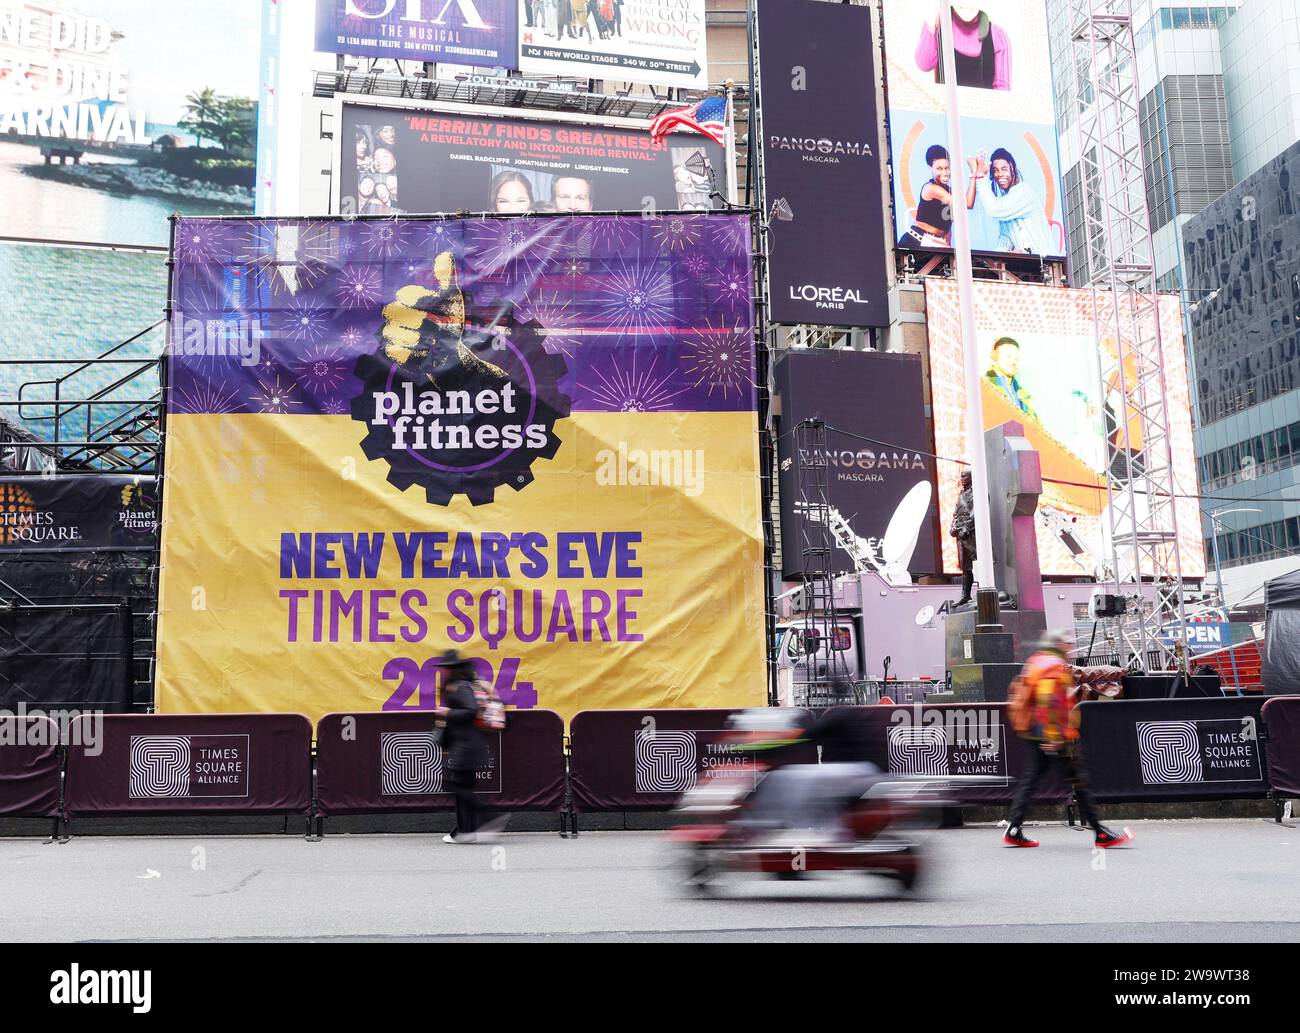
627,574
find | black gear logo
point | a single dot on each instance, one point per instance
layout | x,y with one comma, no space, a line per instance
435,348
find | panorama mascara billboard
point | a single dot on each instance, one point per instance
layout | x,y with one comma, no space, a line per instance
532,439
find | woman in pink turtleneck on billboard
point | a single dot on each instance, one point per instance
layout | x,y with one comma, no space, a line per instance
982,49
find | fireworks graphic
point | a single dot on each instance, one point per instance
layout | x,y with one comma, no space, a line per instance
412,271
442,235
676,232
721,359
201,241
204,398
201,291
358,286
277,396
527,243
731,287
304,321
317,244
386,238
334,407
266,364
210,345
321,370
636,299
260,250
696,265
558,317
288,257
629,390
731,234
610,234
575,268
353,338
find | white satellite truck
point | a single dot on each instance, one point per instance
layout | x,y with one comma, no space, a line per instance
889,634
885,626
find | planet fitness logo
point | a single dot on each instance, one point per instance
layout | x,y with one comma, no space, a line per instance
458,401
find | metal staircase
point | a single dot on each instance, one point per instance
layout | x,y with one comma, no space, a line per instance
98,415
88,424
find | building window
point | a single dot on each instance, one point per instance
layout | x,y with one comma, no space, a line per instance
1263,454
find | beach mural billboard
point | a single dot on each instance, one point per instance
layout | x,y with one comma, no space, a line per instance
114,115
1008,124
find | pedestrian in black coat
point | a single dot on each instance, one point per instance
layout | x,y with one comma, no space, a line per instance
464,746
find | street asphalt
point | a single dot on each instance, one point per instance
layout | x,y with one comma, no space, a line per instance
1188,881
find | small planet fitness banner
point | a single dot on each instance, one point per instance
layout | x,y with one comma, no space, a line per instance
532,439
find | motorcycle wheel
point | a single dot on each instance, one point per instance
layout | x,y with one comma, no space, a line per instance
698,871
911,879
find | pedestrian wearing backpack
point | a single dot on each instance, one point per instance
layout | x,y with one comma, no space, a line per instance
464,745
1043,712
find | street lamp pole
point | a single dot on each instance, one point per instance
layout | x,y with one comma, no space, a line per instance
961,238
1223,596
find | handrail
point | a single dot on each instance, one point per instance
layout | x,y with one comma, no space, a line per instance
142,364
120,344
147,411
99,396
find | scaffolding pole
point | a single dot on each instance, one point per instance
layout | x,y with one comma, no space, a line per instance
1141,484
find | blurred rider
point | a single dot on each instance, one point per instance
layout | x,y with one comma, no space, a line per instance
797,793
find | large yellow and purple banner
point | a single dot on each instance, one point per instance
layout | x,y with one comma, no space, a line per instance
530,439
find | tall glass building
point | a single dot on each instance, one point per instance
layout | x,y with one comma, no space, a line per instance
1220,102
1243,259
1261,78
1184,121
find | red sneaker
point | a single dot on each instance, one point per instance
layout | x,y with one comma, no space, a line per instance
1107,839
1017,837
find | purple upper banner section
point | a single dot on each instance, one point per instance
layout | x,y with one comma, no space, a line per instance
640,314
463,32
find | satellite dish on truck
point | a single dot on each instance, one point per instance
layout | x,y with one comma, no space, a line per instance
899,542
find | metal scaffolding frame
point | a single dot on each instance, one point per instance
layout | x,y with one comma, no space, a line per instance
1141,483
826,684
98,415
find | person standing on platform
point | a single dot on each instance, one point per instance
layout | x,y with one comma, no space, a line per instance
963,529
1043,702
464,746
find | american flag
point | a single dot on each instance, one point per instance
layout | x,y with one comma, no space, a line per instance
705,117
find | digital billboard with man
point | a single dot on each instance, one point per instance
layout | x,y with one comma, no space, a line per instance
1040,367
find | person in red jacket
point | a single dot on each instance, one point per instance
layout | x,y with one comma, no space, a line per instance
1050,725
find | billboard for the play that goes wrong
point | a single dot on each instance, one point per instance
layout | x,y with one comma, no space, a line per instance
531,439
